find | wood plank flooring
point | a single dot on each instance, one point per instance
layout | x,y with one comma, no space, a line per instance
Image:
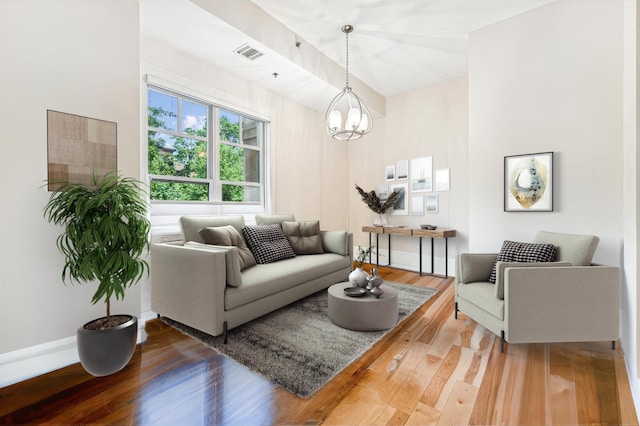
432,370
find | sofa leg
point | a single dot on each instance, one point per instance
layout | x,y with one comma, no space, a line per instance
502,341
456,311
224,332
613,345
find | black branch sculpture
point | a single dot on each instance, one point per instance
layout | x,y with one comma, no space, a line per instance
376,205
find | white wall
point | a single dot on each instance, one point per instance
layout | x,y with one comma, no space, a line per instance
77,57
431,121
552,80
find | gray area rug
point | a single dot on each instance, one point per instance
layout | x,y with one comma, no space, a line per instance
298,347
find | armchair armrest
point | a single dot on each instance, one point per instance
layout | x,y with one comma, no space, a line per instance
188,285
562,304
501,266
474,267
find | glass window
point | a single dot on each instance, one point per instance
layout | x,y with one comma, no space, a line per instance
187,162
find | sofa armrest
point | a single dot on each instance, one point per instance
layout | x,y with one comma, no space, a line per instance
562,304
188,285
338,242
501,266
474,267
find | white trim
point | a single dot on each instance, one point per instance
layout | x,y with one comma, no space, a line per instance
33,361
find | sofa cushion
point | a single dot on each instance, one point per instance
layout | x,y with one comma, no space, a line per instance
229,236
268,279
575,249
272,219
231,260
513,251
191,225
267,243
304,237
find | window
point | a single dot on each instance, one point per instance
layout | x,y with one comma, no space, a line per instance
190,160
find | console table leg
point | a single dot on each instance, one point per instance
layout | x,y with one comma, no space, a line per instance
420,261
446,257
432,270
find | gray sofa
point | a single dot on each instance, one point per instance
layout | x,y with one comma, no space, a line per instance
202,286
568,299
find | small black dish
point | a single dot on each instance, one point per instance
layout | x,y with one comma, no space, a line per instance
355,291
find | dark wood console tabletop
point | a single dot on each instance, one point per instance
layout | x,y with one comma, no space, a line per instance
412,232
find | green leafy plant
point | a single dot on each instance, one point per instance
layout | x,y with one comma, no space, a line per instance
363,254
105,233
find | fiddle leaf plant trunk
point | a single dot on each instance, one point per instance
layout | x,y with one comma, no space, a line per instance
106,231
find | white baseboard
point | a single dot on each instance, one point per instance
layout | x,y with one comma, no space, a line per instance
410,261
33,361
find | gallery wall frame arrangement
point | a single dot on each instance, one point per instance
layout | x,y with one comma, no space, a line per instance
528,182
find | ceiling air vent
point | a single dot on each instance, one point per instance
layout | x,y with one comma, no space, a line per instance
249,52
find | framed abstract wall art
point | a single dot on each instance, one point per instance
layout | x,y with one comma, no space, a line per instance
528,182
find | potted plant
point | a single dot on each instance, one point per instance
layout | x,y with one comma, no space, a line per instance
105,234
377,205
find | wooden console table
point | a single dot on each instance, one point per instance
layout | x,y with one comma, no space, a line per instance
412,232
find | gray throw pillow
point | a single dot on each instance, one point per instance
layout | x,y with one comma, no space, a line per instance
304,237
513,251
228,235
267,243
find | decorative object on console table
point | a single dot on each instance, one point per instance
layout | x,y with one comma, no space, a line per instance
376,205
528,182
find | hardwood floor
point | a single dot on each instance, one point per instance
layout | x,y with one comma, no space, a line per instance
432,370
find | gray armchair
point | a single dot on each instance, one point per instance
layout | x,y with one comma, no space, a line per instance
568,300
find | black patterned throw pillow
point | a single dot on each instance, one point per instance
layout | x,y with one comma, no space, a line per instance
513,251
267,243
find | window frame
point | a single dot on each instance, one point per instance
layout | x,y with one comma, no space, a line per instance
214,141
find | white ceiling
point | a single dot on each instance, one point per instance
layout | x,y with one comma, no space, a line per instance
397,45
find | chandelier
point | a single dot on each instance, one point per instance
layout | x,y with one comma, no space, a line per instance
348,117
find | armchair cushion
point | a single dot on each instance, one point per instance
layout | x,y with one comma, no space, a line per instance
575,249
513,251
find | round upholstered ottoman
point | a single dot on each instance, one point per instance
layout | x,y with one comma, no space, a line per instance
365,313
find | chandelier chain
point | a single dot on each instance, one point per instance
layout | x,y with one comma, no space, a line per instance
347,66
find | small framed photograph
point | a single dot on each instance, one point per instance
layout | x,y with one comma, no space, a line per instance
442,180
432,203
390,172
417,205
401,207
383,192
421,172
528,182
402,169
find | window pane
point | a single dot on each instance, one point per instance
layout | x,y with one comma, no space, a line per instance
229,126
250,131
239,164
240,193
162,110
179,191
177,156
194,119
